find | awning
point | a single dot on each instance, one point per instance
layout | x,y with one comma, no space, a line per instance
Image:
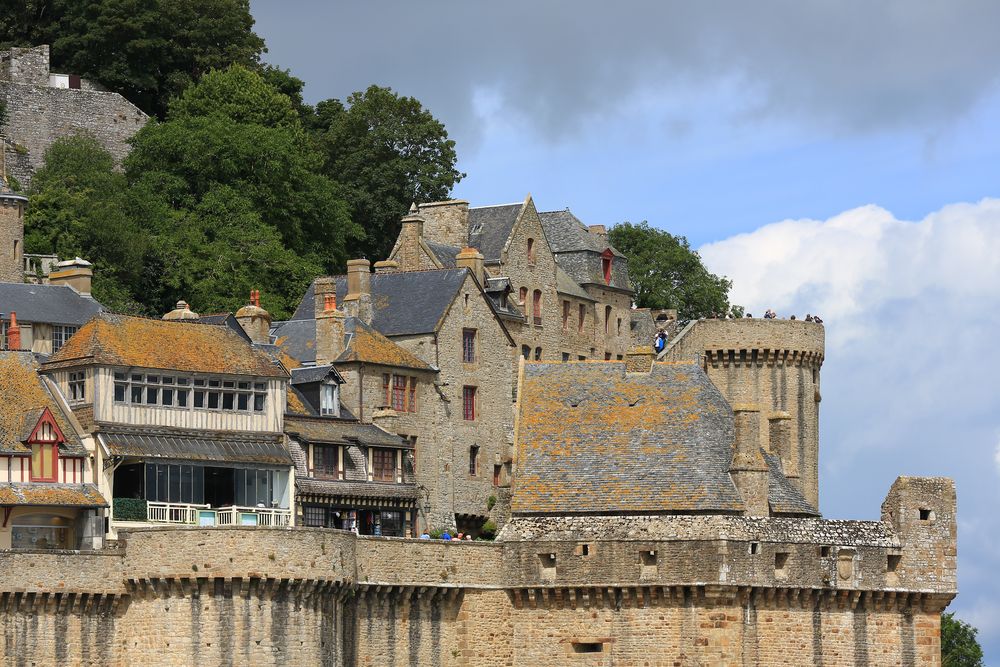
230,448
359,493
51,495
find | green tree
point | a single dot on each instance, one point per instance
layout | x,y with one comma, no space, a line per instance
959,646
147,50
667,273
388,151
80,206
232,129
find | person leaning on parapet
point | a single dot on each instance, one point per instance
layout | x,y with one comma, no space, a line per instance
660,341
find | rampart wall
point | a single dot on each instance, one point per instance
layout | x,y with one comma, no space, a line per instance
685,590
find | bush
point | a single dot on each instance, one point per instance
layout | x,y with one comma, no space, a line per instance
488,531
490,502
129,509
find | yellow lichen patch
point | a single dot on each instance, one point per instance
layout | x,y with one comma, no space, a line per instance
371,347
21,392
118,340
82,495
295,406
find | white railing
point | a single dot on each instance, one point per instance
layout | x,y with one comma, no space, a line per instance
204,515
253,516
173,512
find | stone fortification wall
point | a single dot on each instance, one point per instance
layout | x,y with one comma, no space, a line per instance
773,365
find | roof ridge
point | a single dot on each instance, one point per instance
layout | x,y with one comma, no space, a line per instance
517,203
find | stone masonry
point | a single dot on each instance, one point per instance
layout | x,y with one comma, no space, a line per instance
39,113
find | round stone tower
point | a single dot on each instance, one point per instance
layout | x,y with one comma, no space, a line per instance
12,207
773,365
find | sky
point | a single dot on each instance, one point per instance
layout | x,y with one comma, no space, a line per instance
833,157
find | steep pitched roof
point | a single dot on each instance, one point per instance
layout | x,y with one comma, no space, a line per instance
445,254
52,304
782,496
362,344
120,340
595,440
403,302
24,396
490,227
326,430
567,233
568,286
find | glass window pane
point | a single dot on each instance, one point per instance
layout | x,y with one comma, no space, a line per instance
150,482
213,400
167,380
182,397
243,402
258,402
199,399
198,494
175,484
227,400
168,396
263,488
182,382
136,394
240,486
161,483
187,484
119,393
152,394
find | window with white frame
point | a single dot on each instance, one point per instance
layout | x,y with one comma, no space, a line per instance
61,334
330,399
77,386
203,393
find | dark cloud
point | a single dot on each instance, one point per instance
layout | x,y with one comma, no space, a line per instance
846,66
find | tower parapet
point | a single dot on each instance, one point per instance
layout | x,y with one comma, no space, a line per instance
774,364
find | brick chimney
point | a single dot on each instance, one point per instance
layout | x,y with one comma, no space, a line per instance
13,333
358,301
471,259
329,322
181,312
749,469
256,321
76,273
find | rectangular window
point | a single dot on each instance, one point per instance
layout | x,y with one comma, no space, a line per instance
583,318
314,516
497,473
399,393
412,404
469,403
538,354
325,462
565,319
44,459
565,356
469,346
61,334
77,384
607,319
384,465
170,391
386,379
474,460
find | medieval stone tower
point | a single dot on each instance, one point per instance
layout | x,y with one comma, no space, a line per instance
770,367
12,207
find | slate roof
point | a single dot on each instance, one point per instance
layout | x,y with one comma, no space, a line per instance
565,233
222,320
52,304
297,339
178,445
782,495
362,344
497,291
51,495
403,302
339,431
568,286
310,374
445,254
120,340
490,227
24,394
593,440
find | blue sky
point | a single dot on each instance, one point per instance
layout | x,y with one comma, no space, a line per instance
832,157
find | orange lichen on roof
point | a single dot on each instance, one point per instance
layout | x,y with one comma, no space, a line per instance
369,346
23,392
594,439
53,495
294,404
119,340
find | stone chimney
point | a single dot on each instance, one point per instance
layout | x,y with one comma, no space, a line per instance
13,333
387,266
472,259
749,469
181,312
358,301
329,322
598,230
256,321
446,221
409,253
76,273
782,445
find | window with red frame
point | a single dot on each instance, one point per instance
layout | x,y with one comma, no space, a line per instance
469,403
583,317
399,393
44,454
384,465
565,315
536,306
524,300
469,346
412,405
386,380
325,462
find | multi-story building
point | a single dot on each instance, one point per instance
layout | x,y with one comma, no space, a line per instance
421,353
567,285
184,420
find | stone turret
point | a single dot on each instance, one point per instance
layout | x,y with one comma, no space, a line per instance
181,312
749,470
12,207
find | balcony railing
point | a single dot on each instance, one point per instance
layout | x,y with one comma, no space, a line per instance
204,515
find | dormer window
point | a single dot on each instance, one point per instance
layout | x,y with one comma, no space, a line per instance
44,442
606,258
330,399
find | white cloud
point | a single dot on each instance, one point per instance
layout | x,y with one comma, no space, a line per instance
912,312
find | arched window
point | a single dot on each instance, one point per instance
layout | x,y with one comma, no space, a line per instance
523,300
526,352
607,319
538,354
606,258
531,251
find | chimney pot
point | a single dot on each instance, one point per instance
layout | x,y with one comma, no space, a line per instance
13,333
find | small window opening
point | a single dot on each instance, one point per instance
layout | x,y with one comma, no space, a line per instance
892,562
588,647
780,560
926,515
582,550
824,552
547,565
648,558
754,548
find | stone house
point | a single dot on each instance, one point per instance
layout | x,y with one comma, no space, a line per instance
43,106
47,490
421,355
563,291
184,420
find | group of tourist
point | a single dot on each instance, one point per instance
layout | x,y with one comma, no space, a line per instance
771,315
446,536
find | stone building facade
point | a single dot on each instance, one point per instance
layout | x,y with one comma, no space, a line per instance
43,106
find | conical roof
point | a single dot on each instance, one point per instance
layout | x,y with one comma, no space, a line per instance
7,193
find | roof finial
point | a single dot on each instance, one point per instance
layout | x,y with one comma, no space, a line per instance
413,208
